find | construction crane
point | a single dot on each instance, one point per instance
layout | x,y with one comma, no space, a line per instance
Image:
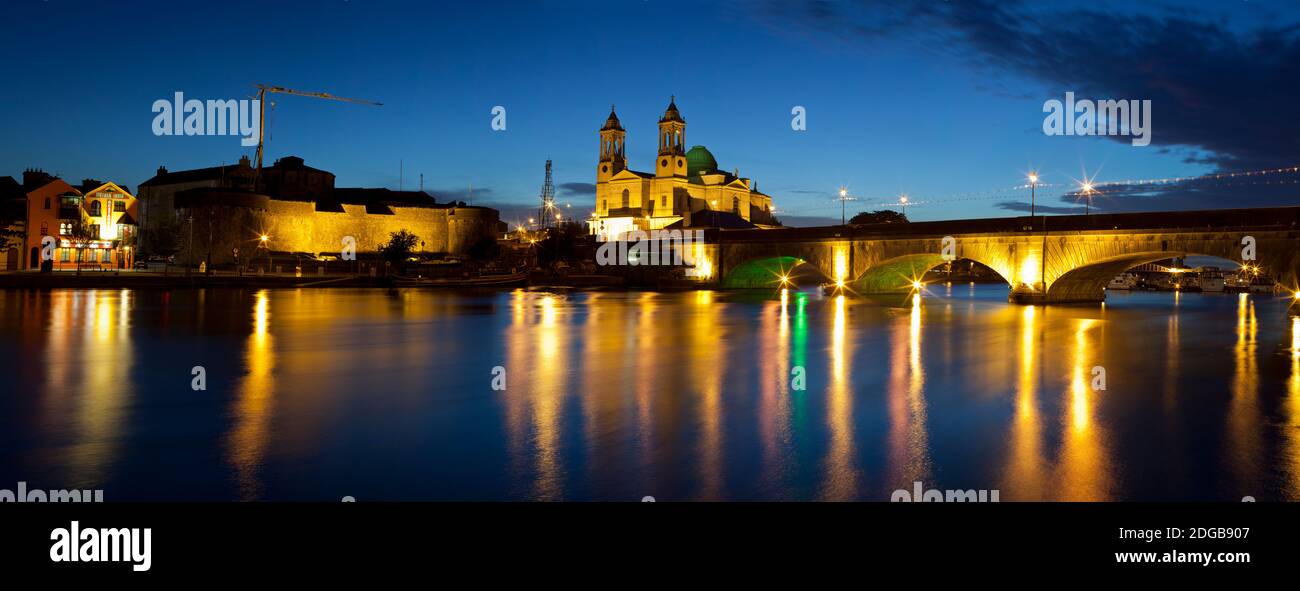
262,89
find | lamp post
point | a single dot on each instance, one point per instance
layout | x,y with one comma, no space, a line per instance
262,243
1087,197
1033,189
190,248
902,200
844,195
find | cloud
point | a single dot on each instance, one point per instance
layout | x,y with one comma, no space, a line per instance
580,189
463,194
1023,206
807,221
1228,91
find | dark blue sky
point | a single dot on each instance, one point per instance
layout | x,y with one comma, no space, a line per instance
939,100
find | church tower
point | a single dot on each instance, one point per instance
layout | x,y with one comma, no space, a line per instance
672,143
613,158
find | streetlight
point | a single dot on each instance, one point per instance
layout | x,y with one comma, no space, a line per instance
1033,189
262,242
902,200
844,195
1087,196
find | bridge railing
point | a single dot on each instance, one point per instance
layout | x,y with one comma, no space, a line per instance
1206,220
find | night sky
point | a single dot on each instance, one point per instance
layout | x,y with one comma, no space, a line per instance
938,100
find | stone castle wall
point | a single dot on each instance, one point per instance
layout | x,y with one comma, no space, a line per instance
296,226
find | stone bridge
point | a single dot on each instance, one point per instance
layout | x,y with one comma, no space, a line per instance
1043,258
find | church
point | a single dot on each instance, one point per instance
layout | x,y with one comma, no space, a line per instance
686,190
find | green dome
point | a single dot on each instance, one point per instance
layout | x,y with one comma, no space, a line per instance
700,161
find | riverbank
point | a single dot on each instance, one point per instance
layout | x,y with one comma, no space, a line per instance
156,280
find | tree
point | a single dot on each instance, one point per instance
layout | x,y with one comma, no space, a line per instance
884,216
82,234
399,247
163,239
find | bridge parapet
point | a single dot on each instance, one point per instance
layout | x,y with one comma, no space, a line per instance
1043,259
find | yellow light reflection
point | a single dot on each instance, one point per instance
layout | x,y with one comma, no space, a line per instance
1245,418
841,480
1025,477
909,457
1292,453
252,406
1084,466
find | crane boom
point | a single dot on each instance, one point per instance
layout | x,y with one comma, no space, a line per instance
262,89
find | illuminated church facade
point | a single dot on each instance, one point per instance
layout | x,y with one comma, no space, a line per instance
686,190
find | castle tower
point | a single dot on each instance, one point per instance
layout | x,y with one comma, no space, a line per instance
672,143
613,158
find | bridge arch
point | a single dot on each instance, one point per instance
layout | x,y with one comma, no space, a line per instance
767,273
900,273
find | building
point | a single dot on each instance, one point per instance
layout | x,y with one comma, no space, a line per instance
683,183
93,225
13,223
299,210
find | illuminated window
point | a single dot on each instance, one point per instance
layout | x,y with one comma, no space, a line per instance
65,228
105,255
95,208
64,254
119,206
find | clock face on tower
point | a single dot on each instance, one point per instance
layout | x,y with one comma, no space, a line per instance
680,163
664,163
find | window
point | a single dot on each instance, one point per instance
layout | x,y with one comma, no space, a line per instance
45,228
604,205
663,200
119,207
735,205
94,230
47,203
105,255
64,254
65,228
626,198
95,209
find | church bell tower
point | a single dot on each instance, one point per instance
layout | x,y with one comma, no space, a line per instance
613,158
672,143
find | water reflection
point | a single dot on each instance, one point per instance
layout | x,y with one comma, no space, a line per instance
909,459
1084,461
253,402
1292,453
841,479
610,395
1025,477
88,359
1244,442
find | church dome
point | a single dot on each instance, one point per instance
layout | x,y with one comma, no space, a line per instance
700,161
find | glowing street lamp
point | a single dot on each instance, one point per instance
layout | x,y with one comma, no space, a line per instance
1033,189
844,196
902,200
1086,187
